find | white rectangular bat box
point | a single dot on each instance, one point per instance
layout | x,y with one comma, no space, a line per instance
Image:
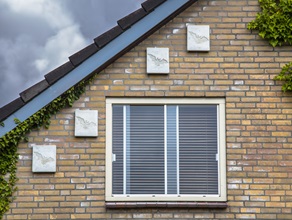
198,37
157,60
86,123
44,159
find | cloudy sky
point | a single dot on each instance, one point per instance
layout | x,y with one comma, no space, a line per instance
39,35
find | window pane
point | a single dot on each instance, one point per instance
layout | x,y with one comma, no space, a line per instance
117,145
191,147
198,168
171,150
146,158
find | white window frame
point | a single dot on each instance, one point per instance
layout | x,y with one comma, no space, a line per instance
220,102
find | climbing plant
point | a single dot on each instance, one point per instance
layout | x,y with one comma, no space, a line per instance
274,24
286,75
10,141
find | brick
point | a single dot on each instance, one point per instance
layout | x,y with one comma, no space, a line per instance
224,216
275,204
183,215
43,210
69,204
245,216
266,216
27,205
284,216
250,210
142,215
28,193
281,134
48,204
80,216
59,216
55,198
22,211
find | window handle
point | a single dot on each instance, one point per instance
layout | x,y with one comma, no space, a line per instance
113,158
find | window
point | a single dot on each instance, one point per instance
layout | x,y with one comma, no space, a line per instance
165,149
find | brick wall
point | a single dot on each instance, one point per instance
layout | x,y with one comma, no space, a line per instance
239,67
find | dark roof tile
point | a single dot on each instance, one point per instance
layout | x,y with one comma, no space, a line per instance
34,90
11,107
83,54
108,36
150,5
131,19
59,72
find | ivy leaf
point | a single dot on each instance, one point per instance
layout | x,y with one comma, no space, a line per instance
17,121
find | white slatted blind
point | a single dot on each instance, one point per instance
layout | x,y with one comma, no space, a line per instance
197,149
146,147
117,136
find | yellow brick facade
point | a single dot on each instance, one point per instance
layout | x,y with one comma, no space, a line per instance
239,67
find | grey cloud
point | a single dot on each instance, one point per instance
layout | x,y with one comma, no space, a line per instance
97,16
12,25
16,78
26,38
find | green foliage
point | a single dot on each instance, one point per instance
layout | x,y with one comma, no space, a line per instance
10,141
17,121
274,23
286,75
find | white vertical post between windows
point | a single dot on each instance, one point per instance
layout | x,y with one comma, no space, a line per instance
165,149
124,149
177,149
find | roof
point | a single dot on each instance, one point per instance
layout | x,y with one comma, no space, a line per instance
105,49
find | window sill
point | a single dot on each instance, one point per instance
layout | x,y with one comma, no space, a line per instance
117,205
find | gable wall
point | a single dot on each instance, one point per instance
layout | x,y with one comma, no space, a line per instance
240,67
